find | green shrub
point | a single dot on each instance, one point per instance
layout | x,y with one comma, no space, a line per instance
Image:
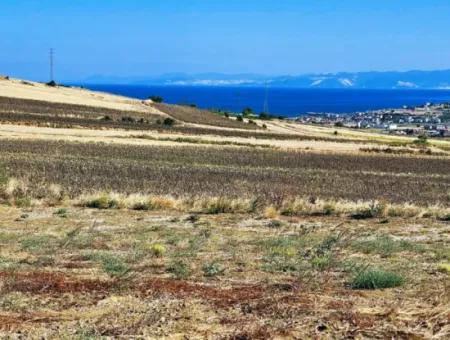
376,279
168,121
157,250
247,111
375,209
212,269
156,99
180,269
128,119
22,202
445,217
322,262
114,266
275,224
421,140
265,116
61,212
102,202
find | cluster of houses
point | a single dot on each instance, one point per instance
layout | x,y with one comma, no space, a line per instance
431,120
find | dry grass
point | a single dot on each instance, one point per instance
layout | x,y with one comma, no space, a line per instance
16,192
117,273
271,175
193,115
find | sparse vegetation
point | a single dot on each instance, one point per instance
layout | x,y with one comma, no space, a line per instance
385,246
198,116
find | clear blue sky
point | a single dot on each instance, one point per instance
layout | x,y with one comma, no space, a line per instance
150,37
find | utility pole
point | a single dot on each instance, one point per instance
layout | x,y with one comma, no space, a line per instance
52,55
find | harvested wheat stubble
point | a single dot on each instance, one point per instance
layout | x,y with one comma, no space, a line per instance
189,171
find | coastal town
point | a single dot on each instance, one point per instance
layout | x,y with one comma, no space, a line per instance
431,120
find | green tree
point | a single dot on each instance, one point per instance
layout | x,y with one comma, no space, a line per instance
247,111
156,99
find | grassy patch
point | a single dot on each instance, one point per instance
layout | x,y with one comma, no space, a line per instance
114,266
384,245
376,279
38,243
61,212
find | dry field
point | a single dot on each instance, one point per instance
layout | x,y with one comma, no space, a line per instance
212,228
81,273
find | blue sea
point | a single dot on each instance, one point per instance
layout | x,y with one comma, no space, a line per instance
287,102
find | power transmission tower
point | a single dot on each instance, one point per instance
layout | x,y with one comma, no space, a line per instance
266,100
52,56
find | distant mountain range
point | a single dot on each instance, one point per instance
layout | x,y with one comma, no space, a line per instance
357,80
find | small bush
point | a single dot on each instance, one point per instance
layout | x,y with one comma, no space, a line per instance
15,189
444,268
114,266
218,207
239,119
54,194
373,210
156,99
51,83
157,250
265,116
168,121
212,269
444,217
61,212
275,224
104,201
137,202
376,279
322,262
247,111
128,119
180,269
421,140
270,212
